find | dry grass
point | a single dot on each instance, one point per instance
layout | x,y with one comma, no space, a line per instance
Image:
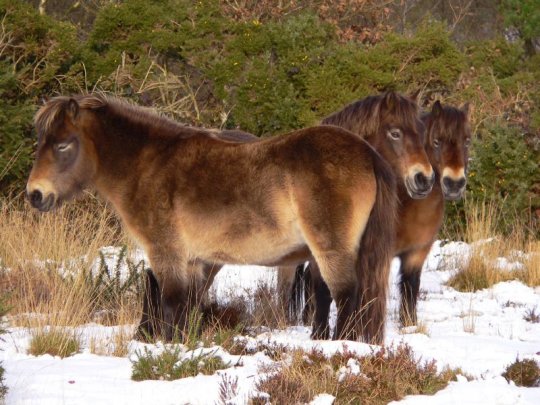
116,345
420,327
481,270
377,378
56,342
45,257
524,373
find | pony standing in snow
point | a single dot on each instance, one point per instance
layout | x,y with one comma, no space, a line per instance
189,197
419,220
391,121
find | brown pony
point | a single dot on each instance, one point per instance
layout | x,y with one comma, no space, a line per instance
189,197
419,220
390,121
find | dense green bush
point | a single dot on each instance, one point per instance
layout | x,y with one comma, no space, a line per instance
505,169
39,57
523,15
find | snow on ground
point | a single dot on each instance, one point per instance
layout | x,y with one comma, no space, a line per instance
479,332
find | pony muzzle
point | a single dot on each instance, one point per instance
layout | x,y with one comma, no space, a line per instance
453,189
41,198
453,182
419,185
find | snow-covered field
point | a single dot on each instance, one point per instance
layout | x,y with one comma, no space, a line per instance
479,332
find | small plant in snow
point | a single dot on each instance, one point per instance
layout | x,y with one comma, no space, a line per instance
532,316
169,365
377,378
228,389
524,373
56,342
109,286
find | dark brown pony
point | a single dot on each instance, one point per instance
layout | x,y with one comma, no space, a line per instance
391,122
193,200
419,220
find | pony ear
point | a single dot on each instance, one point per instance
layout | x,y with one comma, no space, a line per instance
436,109
414,96
72,109
466,108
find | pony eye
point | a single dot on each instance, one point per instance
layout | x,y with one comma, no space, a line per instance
62,147
436,143
467,142
395,134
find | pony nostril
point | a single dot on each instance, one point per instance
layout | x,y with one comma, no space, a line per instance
421,181
36,197
454,185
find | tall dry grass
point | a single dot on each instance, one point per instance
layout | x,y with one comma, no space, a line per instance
481,269
43,260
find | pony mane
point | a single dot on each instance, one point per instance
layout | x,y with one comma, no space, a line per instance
365,117
450,123
54,111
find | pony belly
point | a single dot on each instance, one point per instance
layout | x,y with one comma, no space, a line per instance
259,249
258,245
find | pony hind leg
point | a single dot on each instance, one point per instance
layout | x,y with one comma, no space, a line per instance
409,285
338,272
322,299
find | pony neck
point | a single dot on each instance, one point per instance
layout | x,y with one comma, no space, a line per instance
121,146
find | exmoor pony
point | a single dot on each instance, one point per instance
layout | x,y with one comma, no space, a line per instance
448,137
390,121
193,200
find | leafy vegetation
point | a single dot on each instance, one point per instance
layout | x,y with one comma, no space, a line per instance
169,365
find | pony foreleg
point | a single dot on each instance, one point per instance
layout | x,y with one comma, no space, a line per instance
181,289
410,272
150,326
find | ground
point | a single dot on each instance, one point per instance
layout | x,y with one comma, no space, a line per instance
481,333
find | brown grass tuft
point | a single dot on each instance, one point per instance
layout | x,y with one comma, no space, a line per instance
481,270
378,378
524,373
56,342
45,263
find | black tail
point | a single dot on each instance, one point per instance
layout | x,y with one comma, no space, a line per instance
375,254
299,294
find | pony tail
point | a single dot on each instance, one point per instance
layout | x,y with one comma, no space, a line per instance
300,286
375,255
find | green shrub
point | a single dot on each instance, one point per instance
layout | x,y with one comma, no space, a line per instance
502,57
504,169
109,288
35,51
523,15
169,365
